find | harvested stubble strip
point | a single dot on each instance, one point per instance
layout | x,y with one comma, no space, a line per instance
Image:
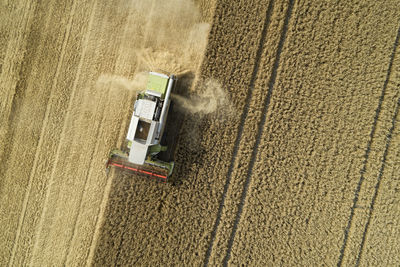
15,63
174,217
9,29
56,112
317,129
78,180
36,77
15,24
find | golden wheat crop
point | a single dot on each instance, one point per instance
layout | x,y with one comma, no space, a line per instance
287,146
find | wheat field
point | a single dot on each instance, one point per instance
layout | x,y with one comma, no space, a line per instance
289,156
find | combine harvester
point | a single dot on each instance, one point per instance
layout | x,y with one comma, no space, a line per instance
143,141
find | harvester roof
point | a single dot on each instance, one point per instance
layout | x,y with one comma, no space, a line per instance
158,83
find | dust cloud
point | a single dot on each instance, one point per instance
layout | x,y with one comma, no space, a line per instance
174,36
118,84
164,36
211,97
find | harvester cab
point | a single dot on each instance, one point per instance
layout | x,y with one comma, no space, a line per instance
146,129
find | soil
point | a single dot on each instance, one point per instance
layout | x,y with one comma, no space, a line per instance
285,133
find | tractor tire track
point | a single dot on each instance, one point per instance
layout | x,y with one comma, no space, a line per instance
240,130
91,113
74,93
85,185
381,171
99,148
268,52
94,177
307,143
260,131
367,151
56,111
379,248
20,117
44,127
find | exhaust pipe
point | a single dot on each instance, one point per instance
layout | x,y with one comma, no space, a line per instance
164,111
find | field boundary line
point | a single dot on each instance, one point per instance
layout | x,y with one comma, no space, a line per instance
107,189
367,151
243,117
73,96
45,121
377,186
260,130
98,224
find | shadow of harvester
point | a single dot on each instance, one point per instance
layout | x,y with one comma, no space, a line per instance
182,132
